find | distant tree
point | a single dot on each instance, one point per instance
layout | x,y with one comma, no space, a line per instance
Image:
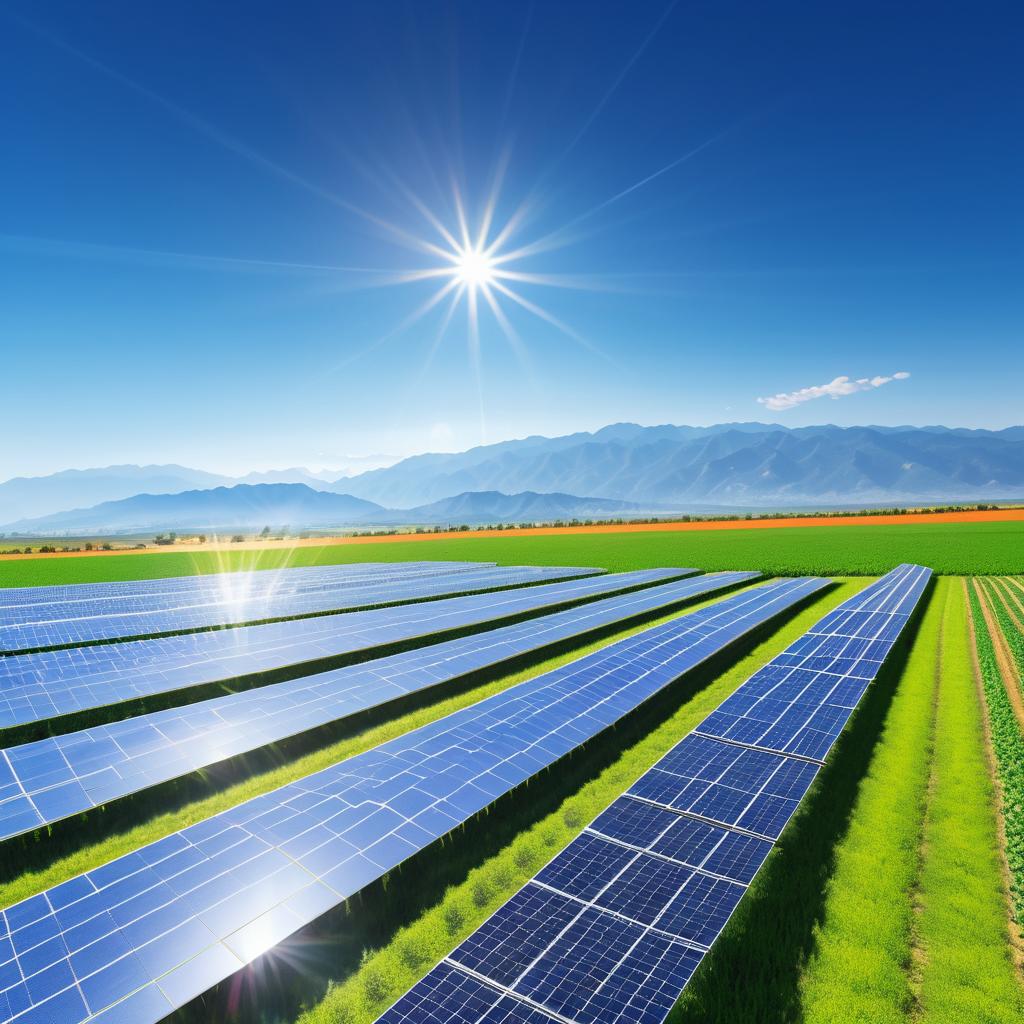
88,545
265,532
107,547
201,538
237,539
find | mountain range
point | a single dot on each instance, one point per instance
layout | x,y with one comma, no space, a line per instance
252,506
745,465
736,464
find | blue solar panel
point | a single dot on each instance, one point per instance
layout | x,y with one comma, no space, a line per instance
161,924
800,702
42,782
169,588
221,588
89,627
614,926
35,687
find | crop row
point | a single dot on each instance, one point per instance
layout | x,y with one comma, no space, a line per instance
1008,746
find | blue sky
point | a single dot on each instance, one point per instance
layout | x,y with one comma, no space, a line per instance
205,208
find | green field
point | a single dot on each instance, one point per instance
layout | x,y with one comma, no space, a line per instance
895,894
948,549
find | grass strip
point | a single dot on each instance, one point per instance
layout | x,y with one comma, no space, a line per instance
1008,747
966,970
37,879
858,969
386,973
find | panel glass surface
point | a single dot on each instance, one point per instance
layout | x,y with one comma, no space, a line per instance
35,687
220,588
233,582
89,627
174,917
42,782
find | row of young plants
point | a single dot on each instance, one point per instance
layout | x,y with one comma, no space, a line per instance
964,970
1008,747
1008,622
385,973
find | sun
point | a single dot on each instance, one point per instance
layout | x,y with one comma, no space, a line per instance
474,267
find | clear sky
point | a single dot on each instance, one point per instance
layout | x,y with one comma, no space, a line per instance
209,215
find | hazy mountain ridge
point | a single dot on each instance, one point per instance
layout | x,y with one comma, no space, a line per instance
252,506
243,506
661,467
743,464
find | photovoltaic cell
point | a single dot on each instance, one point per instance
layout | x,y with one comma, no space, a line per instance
90,628
42,782
140,936
35,687
612,929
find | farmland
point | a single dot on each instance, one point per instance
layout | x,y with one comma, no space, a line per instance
862,550
895,894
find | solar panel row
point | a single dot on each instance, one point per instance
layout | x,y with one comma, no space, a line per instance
100,628
236,582
36,687
284,583
614,926
45,781
135,939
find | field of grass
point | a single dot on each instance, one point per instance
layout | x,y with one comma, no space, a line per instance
951,549
890,898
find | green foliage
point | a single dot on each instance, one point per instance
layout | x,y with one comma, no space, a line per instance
1008,746
965,968
948,548
858,970
359,999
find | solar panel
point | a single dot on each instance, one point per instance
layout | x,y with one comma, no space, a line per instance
34,687
800,702
614,926
159,925
235,582
92,628
53,778
222,588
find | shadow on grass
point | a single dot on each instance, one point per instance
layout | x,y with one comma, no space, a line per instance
275,987
752,973
37,850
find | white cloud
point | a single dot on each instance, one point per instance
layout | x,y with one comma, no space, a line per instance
834,389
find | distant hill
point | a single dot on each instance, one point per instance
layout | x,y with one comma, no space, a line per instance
474,507
253,506
26,497
243,507
735,464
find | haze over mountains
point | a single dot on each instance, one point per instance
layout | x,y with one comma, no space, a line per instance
634,469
